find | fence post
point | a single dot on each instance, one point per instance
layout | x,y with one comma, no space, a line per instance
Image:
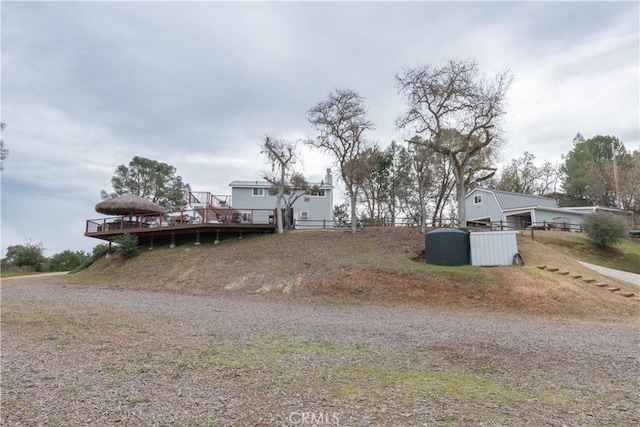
501,229
324,223
532,228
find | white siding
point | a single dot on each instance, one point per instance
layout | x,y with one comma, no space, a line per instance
558,217
493,248
489,207
320,208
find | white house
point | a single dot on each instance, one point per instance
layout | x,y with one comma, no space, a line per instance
309,211
518,211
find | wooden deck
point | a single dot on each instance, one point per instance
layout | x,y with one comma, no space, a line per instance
197,225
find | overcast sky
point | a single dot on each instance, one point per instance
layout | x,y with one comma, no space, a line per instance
87,86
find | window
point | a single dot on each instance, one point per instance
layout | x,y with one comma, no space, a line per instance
258,192
304,214
477,199
317,193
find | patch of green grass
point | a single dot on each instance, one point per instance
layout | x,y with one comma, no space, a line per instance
87,278
34,313
7,274
462,273
466,274
138,399
367,381
624,256
111,368
62,345
364,347
11,403
209,356
279,346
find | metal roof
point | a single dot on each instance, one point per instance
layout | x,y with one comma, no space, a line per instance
250,184
265,184
507,200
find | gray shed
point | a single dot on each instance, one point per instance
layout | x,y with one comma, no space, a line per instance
492,248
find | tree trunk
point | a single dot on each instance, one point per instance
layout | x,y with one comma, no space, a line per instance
460,196
280,220
354,218
423,207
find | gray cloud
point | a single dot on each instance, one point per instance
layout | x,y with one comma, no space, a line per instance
88,85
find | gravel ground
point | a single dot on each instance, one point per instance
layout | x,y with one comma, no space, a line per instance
79,355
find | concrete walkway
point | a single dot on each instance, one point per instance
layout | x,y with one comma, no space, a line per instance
632,278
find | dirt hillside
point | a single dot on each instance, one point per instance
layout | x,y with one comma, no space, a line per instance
380,266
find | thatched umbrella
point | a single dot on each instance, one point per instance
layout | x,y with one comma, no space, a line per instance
128,204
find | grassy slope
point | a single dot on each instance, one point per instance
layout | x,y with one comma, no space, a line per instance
624,256
375,266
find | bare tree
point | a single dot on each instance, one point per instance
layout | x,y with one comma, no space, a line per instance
373,170
341,122
457,111
422,160
523,176
630,182
297,187
282,155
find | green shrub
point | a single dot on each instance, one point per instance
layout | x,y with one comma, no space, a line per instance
27,257
98,252
605,229
67,260
126,245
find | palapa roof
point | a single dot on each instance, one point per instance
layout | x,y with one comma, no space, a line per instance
128,204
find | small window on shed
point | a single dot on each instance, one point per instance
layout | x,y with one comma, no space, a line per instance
477,199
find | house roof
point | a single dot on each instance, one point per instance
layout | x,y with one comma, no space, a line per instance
265,184
252,184
546,209
507,200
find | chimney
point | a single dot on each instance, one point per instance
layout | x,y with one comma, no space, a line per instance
328,179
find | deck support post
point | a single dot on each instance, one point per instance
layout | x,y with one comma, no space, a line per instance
217,240
173,240
197,237
240,238
151,242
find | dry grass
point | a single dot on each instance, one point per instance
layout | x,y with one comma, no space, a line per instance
374,266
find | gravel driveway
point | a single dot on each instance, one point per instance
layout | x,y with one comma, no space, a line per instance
75,355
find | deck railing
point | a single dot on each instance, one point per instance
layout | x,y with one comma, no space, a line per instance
182,218
205,198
